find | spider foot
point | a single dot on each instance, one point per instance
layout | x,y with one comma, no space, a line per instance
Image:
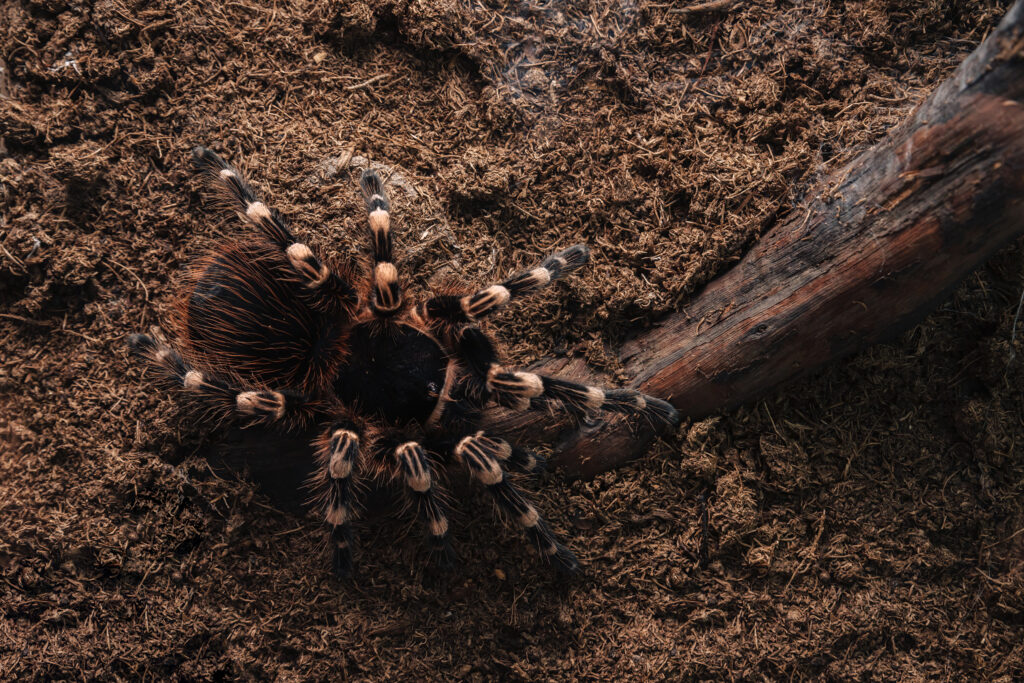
527,461
564,561
443,555
341,553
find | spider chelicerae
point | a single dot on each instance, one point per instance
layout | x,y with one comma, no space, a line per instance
270,331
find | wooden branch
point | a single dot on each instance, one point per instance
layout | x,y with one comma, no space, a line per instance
881,242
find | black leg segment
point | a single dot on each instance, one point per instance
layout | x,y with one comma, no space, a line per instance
337,455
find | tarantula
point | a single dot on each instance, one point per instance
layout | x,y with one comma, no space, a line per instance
272,332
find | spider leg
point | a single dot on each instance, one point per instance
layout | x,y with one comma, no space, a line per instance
324,289
527,390
337,455
268,407
483,457
386,297
463,406
476,350
415,467
522,460
483,302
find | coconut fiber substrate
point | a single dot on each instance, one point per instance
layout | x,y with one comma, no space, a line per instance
862,524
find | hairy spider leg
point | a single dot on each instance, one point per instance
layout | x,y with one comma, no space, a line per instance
268,407
386,296
337,452
324,290
426,495
484,456
530,391
485,301
524,460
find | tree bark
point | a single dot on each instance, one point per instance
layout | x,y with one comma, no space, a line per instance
880,243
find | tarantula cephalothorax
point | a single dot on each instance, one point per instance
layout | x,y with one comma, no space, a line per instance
272,332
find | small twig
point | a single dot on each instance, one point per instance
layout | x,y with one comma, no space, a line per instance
993,580
707,60
710,6
38,323
992,545
64,328
131,272
808,560
365,83
705,523
145,290
1013,333
50,326
16,261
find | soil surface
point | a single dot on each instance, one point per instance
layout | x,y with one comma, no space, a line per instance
864,524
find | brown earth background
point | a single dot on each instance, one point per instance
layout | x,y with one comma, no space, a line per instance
864,524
